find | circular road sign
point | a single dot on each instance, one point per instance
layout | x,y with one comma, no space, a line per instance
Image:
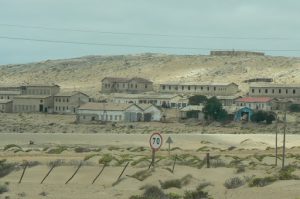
156,141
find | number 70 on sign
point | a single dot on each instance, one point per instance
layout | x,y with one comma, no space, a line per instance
156,141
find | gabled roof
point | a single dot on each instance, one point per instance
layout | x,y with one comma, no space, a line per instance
31,96
116,79
199,84
125,80
140,80
272,85
254,99
146,106
105,106
40,85
69,94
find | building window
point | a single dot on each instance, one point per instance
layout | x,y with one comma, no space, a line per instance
116,117
273,91
123,85
169,87
63,100
41,101
67,99
266,90
208,88
201,87
176,87
259,90
59,100
279,91
252,90
214,88
294,91
146,86
189,87
136,86
286,91
182,87
110,117
163,87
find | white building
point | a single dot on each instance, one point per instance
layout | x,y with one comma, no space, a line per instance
255,103
150,112
210,89
161,100
68,102
274,90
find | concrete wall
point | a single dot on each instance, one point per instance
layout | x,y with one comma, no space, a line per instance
131,86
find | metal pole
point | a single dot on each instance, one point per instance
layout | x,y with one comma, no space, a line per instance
207,160
284,132
276,141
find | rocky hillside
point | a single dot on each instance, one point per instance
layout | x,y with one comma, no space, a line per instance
85,73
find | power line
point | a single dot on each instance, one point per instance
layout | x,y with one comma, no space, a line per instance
148,34
139,46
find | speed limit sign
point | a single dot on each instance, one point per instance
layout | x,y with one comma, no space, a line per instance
156,141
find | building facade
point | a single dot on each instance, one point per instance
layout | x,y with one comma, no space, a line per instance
210,89
274,90
33,103
255,103
126,85
40,89
69,102
160,100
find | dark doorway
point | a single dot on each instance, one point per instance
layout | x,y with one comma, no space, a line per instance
41,107
46,109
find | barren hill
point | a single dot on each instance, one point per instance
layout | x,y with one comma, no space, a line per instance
85,73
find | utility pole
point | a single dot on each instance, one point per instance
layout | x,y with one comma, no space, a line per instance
276,141
284,131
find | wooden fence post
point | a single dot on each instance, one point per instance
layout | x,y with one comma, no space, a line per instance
24,169
99,174
54,165
174,164
74,173
207,160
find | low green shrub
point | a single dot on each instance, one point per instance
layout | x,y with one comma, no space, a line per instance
3,188
233,183
261,182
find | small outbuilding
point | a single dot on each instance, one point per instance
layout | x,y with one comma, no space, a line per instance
243,114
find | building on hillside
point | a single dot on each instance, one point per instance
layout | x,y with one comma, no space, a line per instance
40,89
208,89
68,102
126,85
160,100
255,103
235,53
192,111
6,106
274,90
284,103
9,91
33,103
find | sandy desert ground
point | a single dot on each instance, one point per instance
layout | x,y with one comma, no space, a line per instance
57,139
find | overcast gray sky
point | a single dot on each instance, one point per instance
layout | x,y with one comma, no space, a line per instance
186,26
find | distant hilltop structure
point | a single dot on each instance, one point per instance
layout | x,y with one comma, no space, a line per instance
235,53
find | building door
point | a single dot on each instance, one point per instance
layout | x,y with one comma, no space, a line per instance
41,107
46,109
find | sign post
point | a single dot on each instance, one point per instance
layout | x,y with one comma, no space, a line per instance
169,141
155,141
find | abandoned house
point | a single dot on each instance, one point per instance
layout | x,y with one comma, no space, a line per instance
161,100
111,112
33,103
126,85
39,89
274,90
6,106
68,102
9,91
208,89
255,103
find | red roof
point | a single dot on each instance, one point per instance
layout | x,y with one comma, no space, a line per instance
254,99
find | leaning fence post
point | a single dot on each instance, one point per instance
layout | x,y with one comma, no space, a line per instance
24,169
122,171
174,164
74,173
99,174
207,160
54,165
